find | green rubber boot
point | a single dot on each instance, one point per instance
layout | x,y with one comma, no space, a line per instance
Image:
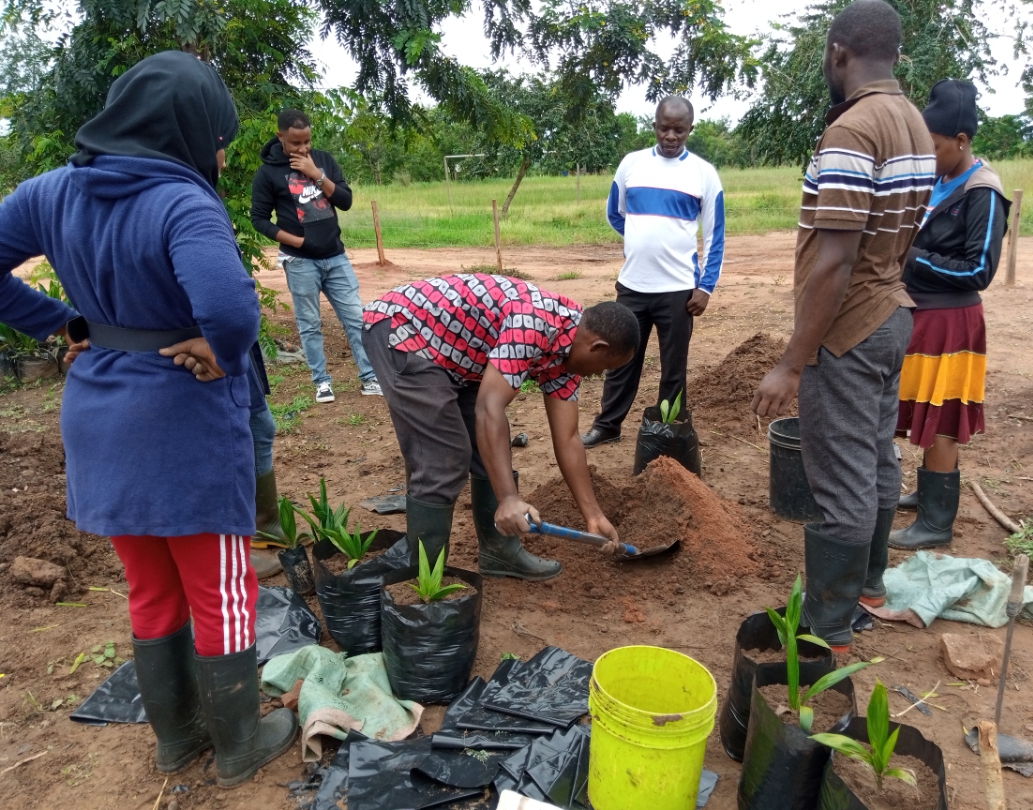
874,591
243,741
502,556
267,512
429,523
170,694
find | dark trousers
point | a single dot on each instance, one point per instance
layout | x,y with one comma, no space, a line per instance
848,413
433,416
666,311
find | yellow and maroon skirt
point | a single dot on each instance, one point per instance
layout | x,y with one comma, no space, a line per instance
942,381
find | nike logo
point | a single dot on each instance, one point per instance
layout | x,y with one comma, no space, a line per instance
308,194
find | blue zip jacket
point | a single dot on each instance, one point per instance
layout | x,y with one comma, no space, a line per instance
145,244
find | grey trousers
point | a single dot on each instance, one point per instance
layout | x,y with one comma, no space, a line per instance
848,414
433,417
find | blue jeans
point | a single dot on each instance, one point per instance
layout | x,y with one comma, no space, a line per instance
263,426
334,277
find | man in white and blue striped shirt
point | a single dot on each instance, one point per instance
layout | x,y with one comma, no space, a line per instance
659,199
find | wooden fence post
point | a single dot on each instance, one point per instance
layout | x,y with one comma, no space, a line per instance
1013,239
579,184
380,238
498,235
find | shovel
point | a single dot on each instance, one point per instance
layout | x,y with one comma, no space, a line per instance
624,550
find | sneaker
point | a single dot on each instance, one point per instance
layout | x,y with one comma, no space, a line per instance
324,393
371,388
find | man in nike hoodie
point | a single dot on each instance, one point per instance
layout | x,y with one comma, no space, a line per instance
305,187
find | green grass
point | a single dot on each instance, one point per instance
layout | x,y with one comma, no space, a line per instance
546,210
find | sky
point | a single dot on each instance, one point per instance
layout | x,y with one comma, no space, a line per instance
464,39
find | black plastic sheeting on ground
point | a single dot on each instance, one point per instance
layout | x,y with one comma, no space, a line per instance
283,623
551,687
117,700
552,769
470,715
1015,752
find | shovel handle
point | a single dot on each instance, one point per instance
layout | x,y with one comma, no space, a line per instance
596,540
1018,579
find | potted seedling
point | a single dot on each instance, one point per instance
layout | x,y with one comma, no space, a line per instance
757,642
350,600
430,629
667,431
294,558
782,766
863,779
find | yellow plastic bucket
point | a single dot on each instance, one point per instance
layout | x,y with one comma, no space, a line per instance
652,711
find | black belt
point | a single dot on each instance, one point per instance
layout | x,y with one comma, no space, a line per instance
129,340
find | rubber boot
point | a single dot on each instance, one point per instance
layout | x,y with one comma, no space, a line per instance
168,687
429,523
836,573
229,697
267,512
265,564
502,556
908,502
938,495
874,592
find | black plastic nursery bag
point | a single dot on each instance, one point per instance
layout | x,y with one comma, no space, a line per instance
117,700
283,623
551,687
758,634
429,649
837,796
297,569
350,601
677,440
782,767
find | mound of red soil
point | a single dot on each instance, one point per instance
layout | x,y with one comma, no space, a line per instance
664,503
721,395
33,522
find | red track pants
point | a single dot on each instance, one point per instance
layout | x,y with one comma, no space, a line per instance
208,576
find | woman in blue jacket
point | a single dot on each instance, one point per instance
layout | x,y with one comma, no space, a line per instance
160,462
955,256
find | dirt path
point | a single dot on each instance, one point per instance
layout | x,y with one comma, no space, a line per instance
594,606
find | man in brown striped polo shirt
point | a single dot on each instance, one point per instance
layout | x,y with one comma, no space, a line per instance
864,196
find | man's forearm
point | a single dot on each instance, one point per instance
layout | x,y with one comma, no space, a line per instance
493,444
573,463
285,238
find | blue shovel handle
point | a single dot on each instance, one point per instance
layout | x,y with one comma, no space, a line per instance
582,537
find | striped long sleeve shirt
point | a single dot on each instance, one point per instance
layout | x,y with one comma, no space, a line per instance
872,171
658,204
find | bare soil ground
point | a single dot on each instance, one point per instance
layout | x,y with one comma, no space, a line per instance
692,601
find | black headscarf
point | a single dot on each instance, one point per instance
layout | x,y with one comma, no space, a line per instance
170,106
952,109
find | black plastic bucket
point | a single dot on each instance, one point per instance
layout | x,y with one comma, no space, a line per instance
789,493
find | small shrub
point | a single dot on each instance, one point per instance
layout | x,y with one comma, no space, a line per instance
428,581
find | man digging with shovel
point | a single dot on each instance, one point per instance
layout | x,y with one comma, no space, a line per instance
450,354
864,196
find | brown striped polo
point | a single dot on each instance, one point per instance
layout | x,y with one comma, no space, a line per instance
872,171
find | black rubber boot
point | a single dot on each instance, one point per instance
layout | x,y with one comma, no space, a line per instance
938,495
168,687
429,523
502,556
267,512
908,502
229,697
835,576
874,592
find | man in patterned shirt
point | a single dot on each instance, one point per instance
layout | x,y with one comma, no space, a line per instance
451,353
864,196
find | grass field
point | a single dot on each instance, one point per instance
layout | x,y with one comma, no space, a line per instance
546,210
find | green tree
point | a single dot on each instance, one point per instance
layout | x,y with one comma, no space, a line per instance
717,143
942,38
1003,138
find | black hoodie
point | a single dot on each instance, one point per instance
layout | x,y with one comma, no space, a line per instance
301,208
956,252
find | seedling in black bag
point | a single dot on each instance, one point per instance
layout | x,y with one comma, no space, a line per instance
428,582
330,524
787,627
287,523
882,742
669,412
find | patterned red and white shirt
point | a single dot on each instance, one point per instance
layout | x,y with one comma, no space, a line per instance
462,322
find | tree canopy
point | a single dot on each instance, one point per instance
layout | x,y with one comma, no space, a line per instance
942,39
